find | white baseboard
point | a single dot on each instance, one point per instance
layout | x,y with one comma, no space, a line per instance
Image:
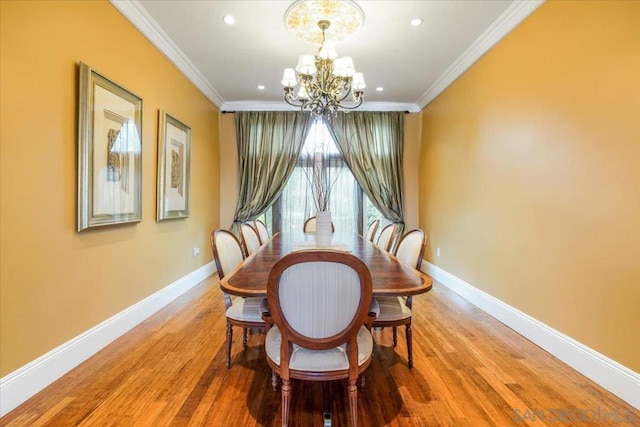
609,374
25,382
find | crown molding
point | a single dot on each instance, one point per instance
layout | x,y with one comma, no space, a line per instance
140,18
510,18
390,106
502,26
282,106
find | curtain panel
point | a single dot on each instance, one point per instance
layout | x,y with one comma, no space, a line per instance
269,144
372,144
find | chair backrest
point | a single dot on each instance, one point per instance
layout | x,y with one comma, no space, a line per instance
319,299
411,248
250,238
385,239
227,251
263,233
310,225
371,231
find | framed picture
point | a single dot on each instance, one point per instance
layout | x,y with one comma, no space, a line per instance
174,159
109,152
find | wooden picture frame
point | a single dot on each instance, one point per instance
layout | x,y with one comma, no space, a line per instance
109,152
174,164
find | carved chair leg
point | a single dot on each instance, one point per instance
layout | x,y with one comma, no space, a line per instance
274,380
286,392
395,336
229,339
409,345
244,337
353,401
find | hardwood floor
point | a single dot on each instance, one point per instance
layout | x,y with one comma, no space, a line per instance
470,370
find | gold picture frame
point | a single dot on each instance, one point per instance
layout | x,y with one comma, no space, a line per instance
109,152
174,164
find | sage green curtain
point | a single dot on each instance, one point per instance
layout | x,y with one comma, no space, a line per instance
372,145
269,143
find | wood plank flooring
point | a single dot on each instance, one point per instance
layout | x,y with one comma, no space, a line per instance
470,370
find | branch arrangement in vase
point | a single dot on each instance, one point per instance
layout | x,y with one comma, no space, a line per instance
322,175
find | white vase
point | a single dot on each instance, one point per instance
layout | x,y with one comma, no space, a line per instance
323,228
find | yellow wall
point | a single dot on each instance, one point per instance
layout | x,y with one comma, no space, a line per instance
229,169
411,167
530,173
57,283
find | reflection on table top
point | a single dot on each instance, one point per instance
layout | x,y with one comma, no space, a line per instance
389,276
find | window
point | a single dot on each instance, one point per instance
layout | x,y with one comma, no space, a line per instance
351,210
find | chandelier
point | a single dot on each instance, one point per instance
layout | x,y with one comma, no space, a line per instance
324,81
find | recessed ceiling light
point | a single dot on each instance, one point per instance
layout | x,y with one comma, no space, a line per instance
260,87
229,20
379,88
416,22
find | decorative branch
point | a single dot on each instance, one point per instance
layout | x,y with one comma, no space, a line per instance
320,180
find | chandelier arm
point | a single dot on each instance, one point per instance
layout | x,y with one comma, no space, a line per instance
293,104
359,103
346,94
291,99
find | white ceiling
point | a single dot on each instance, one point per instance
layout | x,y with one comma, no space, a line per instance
412,64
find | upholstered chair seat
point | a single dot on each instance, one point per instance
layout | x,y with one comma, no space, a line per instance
247,309
303,359
390,309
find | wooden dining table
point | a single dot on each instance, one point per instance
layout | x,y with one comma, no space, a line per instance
389,276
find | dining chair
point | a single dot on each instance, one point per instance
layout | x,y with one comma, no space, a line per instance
310,225
371,230
318,305
395,311
385,239
242,312
263,233
250,238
